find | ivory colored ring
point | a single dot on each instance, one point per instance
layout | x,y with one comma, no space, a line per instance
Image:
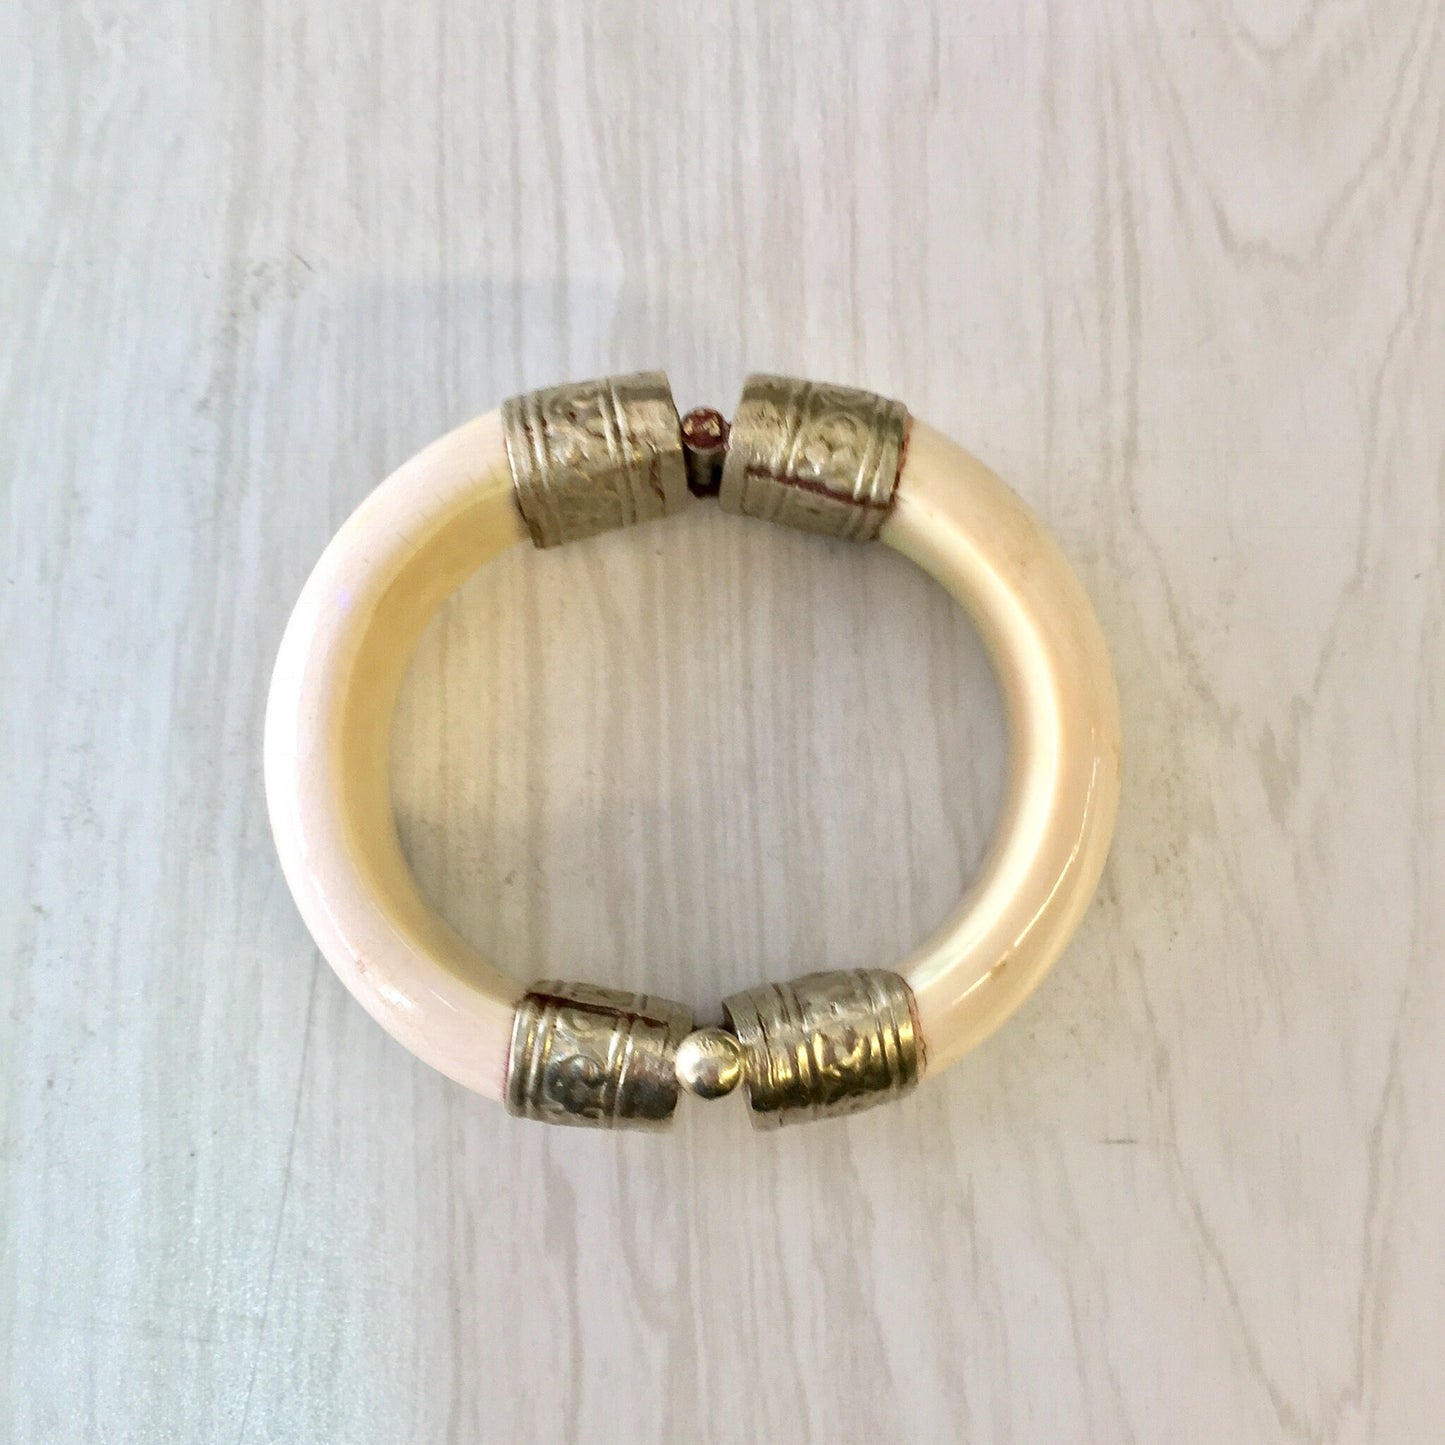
450,509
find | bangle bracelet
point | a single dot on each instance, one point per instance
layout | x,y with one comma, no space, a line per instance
573,461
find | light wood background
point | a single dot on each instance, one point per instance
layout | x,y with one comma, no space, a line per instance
1176,271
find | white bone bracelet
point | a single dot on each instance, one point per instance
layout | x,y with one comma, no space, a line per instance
577,460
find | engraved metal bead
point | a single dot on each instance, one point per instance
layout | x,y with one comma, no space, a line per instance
595,1056
820,458
825,1044
595,455
710,1063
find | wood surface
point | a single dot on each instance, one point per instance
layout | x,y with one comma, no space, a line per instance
1176,272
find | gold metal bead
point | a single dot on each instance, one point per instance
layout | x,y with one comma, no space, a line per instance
710,1063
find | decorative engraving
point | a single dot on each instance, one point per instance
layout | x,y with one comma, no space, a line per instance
820,458
595,455
595,1056
825,1044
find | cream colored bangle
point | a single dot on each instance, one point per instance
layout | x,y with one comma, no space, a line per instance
576,460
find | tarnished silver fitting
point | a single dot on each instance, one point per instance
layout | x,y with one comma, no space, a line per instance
595,1056
825,1044
820,458
595,455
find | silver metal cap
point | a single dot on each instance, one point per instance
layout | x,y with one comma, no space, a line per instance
595,1056
595,455
825,1044
820,458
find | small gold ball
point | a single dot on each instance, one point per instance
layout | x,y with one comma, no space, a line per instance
710,1063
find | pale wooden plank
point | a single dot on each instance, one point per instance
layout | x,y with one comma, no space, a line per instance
1177,275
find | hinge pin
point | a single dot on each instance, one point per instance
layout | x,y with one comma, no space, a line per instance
704,447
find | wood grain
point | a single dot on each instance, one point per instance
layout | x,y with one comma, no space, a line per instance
1177,272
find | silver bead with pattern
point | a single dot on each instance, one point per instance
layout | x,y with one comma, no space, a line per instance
820,458
595,1056
595,455
825,1044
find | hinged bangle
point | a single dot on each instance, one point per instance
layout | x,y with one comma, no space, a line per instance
568,463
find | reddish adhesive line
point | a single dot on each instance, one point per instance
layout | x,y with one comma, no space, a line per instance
817,488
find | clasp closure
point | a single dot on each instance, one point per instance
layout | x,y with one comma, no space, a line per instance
821,1045
601,454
